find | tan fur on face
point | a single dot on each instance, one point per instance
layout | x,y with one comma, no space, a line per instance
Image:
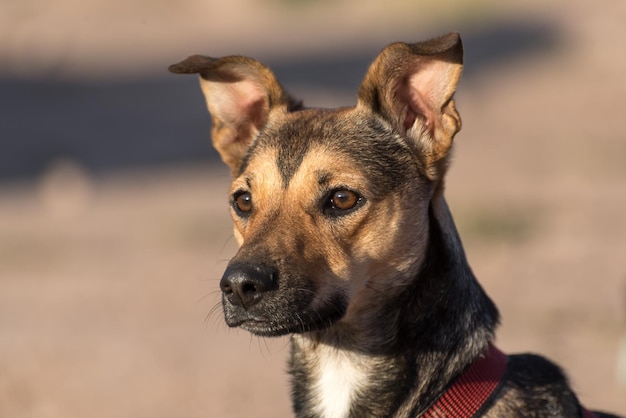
365,252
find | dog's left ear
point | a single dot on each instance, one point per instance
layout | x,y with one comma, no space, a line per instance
412,87
240,94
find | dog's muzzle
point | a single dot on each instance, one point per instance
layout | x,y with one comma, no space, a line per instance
254,300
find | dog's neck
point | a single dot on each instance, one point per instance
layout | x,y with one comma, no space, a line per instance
403,351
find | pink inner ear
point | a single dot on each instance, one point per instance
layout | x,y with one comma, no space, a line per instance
416,105
249,104
238,103
424,92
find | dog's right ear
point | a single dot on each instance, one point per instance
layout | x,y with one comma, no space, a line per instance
240,94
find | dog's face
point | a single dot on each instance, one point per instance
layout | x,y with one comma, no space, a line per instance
323,208
329,206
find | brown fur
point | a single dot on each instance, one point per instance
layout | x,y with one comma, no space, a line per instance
347,243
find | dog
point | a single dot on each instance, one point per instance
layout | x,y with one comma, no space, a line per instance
347,243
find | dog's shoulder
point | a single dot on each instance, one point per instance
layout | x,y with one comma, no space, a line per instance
534,383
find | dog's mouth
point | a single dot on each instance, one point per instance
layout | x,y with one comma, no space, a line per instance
276,319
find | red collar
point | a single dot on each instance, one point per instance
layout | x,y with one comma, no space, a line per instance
471,392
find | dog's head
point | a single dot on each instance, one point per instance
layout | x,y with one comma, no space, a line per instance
330,206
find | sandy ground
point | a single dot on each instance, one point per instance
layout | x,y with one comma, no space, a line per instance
108,284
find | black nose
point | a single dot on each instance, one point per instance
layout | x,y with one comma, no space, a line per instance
244,285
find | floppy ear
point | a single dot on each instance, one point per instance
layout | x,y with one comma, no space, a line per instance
240,94
412,87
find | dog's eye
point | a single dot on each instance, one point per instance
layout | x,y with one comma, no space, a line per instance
243,203
342,201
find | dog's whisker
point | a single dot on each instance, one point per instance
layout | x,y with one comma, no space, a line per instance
208,295
212,316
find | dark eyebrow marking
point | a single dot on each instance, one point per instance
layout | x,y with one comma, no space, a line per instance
323,177
248,179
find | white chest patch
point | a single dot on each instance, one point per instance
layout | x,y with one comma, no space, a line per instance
337,382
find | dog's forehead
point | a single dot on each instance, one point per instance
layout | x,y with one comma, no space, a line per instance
338,135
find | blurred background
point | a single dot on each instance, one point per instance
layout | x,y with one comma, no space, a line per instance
114,228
